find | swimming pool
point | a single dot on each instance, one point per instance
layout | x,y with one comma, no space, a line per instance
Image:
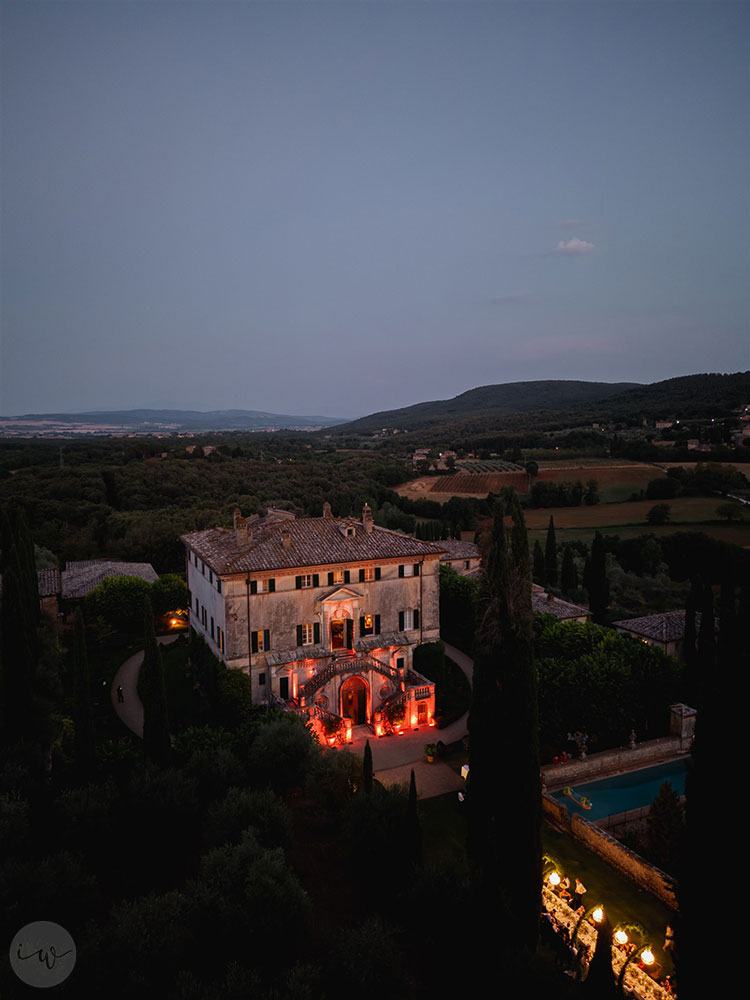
626,791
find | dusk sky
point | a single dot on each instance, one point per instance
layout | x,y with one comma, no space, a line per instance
337,208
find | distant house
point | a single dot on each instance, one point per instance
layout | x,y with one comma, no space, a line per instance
666,631
462,556
543,603
61,592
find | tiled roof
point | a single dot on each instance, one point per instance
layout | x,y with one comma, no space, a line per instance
49,582
666,627
78,578
313,541
545,604
456,549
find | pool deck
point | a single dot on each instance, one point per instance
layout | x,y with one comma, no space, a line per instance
609,763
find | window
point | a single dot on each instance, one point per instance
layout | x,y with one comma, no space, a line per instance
267,586
410,569
220,638
261,679
203,568
408,619
308,633
218,583
466,564
210,576
212,626
339,576
260,641
204,618
369,573
197,607
369,625
307,580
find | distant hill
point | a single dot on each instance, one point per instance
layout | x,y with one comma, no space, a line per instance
489,400
145,421
550,405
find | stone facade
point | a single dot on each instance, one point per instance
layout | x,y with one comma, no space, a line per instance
324,613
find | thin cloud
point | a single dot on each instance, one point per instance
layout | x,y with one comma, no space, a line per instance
573,224
513,297
574,247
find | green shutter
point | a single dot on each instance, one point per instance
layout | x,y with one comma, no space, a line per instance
316,632
266,639
401,571
361,576
347,576
254,637
416,618
299,635
377,572
401,621
362,625
316,580
271,586
416,569
253,586
377,624
330,579
298,582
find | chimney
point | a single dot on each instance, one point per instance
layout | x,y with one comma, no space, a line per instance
327,510
243,534
286,538
367,520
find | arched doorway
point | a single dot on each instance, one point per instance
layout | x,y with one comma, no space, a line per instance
354,700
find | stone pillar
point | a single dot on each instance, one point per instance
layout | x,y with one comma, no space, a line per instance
682,724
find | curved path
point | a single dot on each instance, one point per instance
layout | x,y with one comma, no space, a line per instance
131,710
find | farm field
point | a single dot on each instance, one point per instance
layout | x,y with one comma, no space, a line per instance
629,519
480,483
617,480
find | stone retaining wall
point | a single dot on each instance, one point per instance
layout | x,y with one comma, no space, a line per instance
611,761
647,876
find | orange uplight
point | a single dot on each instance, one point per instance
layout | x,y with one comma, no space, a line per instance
173,622
413,720
378,730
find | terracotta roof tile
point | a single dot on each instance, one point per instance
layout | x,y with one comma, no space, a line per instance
313,541
666,627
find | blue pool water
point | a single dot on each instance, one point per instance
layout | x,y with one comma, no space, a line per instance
626,791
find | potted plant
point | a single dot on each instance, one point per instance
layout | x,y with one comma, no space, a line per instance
431,751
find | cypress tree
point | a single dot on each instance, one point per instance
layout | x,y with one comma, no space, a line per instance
600,983
367,769
156,740
539,573
569,575
82,718
413,828
691,675
506,849
550,555
598,585
19,644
